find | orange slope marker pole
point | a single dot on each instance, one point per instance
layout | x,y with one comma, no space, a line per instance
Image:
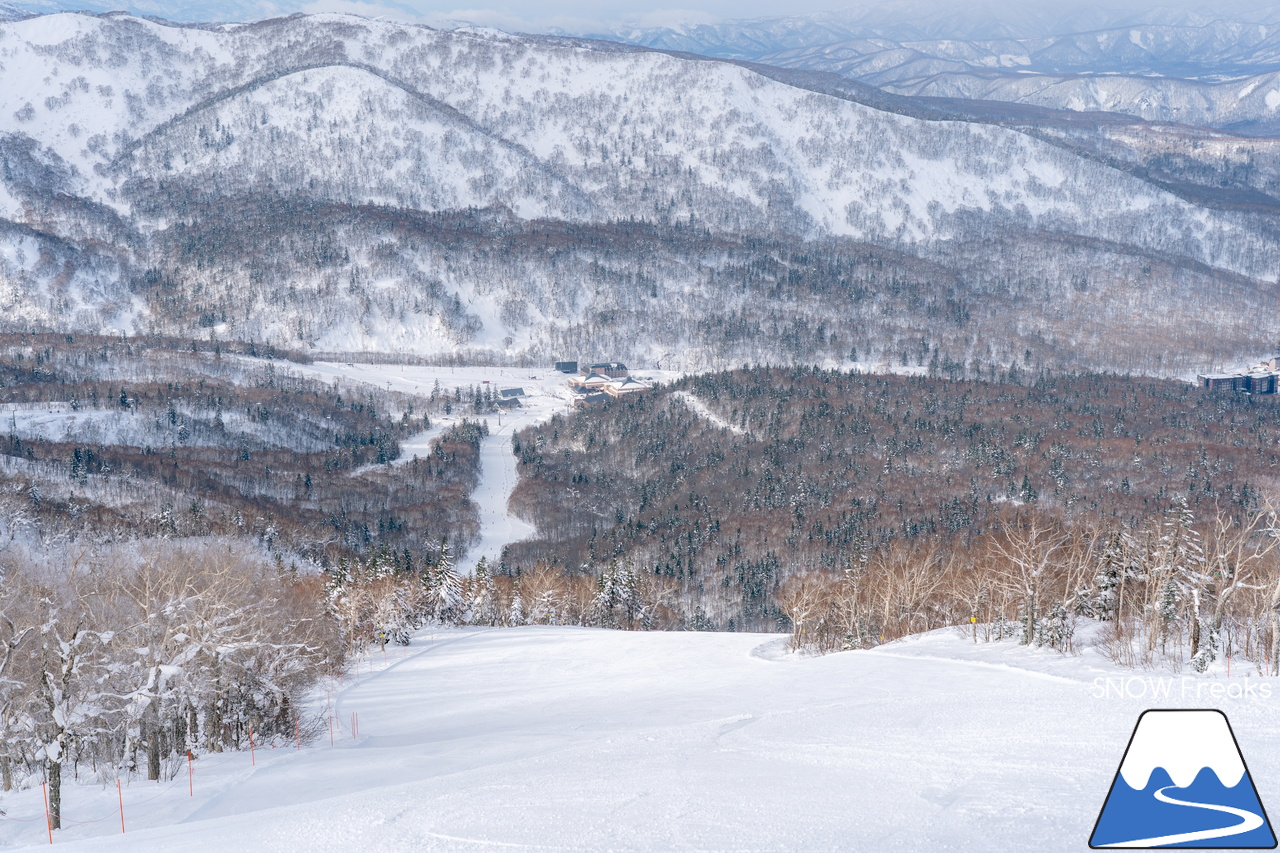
48,821
252,757
120,795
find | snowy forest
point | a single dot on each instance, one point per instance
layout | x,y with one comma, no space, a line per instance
196,534
510,199
951,329
854,509
122,437
192,534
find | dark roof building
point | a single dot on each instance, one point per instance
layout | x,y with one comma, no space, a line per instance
611,369
593,398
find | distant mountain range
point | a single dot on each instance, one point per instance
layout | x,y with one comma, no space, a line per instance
1217,69
931,22
1215,66
337,183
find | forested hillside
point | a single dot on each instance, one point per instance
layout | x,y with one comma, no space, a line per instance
338,184
740,494
192,534
117,438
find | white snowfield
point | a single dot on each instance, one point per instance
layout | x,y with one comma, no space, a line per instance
700,409
553,738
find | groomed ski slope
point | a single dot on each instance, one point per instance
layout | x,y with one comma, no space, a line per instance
545,394
551,738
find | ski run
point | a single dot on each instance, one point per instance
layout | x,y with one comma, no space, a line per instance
561,738
558,738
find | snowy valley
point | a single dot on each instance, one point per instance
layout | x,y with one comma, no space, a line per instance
746,436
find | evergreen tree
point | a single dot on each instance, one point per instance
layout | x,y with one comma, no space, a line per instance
482,595
515,613
619,600
1180,564
447,603
1117,570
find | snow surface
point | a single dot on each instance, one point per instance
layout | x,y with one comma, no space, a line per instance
556,738
498,478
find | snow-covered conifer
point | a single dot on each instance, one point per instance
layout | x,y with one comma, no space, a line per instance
482,604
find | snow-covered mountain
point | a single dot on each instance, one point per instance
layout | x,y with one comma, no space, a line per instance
1158,64
1021,37
1222,74
360,112
1249,105
1142,61
343,183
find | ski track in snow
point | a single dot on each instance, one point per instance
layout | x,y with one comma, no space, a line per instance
974,663
700,408
498,479
576,739
546,394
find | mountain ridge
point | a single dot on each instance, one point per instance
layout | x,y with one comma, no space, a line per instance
131,140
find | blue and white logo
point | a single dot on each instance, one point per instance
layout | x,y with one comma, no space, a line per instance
1183,783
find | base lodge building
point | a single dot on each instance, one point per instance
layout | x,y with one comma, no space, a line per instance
599,383
1259,379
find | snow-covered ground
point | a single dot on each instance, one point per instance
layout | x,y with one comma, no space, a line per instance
582,740
577,739
498,478
545,394
700,409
